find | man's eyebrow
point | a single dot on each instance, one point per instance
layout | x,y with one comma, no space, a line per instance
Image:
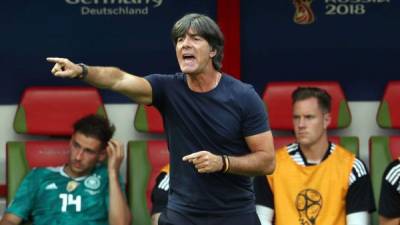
195,34
91,151
75,142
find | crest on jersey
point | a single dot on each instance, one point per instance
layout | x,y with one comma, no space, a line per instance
92,182
72,185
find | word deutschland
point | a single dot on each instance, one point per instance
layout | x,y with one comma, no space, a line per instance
87,11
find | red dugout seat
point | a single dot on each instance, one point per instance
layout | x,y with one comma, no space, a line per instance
148,119
52,110
389,109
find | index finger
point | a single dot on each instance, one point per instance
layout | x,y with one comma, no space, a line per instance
55,60
191,156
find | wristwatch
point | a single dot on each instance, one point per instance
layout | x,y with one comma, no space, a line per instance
84,73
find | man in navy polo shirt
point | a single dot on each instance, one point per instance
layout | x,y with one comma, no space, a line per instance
216,126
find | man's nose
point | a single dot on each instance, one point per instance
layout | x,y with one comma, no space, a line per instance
186,42
301,122
79,154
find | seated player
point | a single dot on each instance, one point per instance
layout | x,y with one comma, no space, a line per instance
315,181
84,191
389,202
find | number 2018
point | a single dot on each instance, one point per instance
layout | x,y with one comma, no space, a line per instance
345,9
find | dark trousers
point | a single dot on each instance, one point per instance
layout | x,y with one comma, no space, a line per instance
170,217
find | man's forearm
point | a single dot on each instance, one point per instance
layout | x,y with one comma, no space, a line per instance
260,160
103,77
10,219
135,87
252,164
388,221
3,222
119,213
155,218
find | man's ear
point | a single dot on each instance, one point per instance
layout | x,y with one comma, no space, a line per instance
103,155
213,52
327,120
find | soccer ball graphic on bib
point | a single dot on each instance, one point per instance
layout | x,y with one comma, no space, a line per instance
308,205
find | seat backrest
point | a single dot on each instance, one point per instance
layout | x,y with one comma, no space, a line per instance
148,119
382,150
280,141
350,143
145,160
3,190
389,109
277,97
21,157
52,110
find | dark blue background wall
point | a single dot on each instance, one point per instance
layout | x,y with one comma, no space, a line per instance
361,50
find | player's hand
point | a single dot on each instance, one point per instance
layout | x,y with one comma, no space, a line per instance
64,68
115,154
205,161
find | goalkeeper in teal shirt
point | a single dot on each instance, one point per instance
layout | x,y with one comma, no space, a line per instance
84,191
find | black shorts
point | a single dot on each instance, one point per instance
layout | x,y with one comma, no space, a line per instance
170,217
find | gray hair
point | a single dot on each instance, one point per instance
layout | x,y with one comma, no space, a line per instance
206,28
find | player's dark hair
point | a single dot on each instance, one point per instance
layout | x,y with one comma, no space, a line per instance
323,97
95,126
